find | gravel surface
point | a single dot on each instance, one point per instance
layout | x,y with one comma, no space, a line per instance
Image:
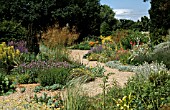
94,88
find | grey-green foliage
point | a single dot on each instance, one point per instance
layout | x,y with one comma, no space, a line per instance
120,66
161,53
146,69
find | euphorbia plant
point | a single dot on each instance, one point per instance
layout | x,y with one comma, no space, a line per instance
8,56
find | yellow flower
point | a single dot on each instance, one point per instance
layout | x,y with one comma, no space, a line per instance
17,52
9,57
106,39
3,44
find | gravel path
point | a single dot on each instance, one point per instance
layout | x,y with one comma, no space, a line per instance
94,88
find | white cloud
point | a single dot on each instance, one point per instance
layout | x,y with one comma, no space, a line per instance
122,11
129,14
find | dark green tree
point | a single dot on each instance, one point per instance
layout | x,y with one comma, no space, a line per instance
38,15
144,23
160,19
125,24
108,20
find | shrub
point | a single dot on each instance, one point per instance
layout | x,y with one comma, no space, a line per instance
82,72
145,69
94,51
150,93
135,37
52,76
161,53
12,31
6,85
140,54
82,46
28,73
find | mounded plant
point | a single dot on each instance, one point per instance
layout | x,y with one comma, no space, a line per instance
52,76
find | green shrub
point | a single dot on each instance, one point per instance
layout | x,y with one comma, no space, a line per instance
23,78
150,93
6,85
82,46
52,76
12,31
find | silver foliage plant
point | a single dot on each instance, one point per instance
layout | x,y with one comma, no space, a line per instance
162,47
146,69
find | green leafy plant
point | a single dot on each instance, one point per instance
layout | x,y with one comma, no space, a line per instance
51,102
6,85
52,76
22,89
140,54
124,103
82,46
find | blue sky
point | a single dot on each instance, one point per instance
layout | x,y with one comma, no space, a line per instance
128,9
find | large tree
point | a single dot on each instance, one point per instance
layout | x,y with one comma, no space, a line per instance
108,20
160,19
37,15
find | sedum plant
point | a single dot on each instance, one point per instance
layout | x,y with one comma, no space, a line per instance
8,56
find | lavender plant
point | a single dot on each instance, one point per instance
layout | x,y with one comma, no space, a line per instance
96,49
28,73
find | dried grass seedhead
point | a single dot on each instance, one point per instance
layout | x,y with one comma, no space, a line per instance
60,36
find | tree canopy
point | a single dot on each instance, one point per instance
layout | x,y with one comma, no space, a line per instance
160,19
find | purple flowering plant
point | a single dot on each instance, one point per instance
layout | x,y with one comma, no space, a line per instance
96,49
20,45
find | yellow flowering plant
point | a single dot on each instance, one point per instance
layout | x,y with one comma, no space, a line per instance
106,39
8,56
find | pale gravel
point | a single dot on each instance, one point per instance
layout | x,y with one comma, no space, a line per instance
94,88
